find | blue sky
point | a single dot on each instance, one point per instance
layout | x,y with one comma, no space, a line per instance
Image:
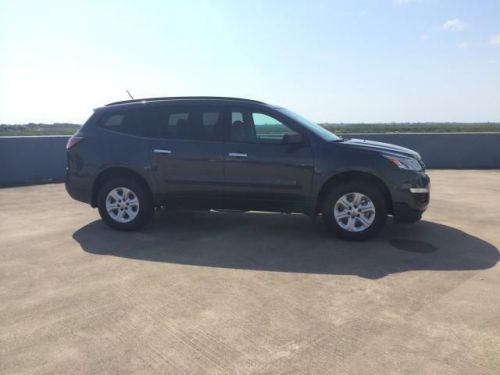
336,61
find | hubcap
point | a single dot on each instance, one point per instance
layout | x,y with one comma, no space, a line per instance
122,204
354,212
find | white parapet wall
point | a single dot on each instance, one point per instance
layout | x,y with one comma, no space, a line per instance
447,150
31,160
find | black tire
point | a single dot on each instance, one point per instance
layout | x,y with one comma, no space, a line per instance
145,208
370,191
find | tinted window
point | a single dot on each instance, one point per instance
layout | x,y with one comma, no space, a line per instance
241,128
179,125
166,122
121,121
191,124
211,125
236,116
149,121
114,121
142,121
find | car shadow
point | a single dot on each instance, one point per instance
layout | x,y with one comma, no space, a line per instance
288,243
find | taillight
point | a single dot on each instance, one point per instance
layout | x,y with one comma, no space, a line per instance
73,141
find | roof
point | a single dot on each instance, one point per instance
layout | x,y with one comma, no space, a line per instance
160,99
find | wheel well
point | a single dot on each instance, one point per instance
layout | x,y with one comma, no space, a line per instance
113,173
354,176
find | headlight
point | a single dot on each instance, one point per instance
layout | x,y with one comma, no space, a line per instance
401,162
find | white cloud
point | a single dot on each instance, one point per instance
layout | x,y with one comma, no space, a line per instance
495,39
424,36
463,45
455,24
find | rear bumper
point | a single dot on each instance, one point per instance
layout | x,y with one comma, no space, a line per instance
78,188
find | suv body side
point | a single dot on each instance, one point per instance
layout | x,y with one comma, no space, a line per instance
214,174
104,152
196,173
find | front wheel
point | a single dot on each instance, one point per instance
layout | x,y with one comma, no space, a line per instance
125,204
355,211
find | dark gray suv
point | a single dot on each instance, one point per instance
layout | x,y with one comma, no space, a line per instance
133,156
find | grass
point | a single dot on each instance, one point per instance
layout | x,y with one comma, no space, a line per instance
69,129
451,127
38,129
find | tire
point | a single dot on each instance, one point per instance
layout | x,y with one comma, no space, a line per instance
135,208
353,198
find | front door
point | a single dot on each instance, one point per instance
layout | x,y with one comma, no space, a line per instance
260,168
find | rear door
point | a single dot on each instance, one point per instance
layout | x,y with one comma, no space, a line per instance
187,151
259,168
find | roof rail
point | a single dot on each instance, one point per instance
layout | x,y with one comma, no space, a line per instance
145,100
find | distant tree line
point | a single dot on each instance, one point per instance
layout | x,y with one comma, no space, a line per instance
38,129
421,127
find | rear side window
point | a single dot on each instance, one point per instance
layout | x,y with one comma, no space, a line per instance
121,121
149,120
143,122
166,122
211,123
191,124
178,125
114,121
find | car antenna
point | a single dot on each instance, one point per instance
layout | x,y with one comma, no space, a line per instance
129,94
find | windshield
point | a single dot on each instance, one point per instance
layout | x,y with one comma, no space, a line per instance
315,128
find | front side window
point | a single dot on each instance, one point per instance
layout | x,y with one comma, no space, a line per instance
268,129
256,127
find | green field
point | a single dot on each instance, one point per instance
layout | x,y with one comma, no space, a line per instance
68,129
442,127
38,129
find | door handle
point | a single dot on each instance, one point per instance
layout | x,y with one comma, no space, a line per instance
160,151
237,155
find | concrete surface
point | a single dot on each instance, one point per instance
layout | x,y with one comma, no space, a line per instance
256,293
25,160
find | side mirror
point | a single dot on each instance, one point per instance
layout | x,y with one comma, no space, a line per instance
293,139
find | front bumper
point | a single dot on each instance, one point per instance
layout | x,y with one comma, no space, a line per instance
420,190
412,199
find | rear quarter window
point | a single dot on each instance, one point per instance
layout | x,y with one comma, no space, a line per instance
122,121
141,122
188,123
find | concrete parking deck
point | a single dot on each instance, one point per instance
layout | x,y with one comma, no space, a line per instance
210,293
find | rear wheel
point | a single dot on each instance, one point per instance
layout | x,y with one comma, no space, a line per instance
355,210
125,204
